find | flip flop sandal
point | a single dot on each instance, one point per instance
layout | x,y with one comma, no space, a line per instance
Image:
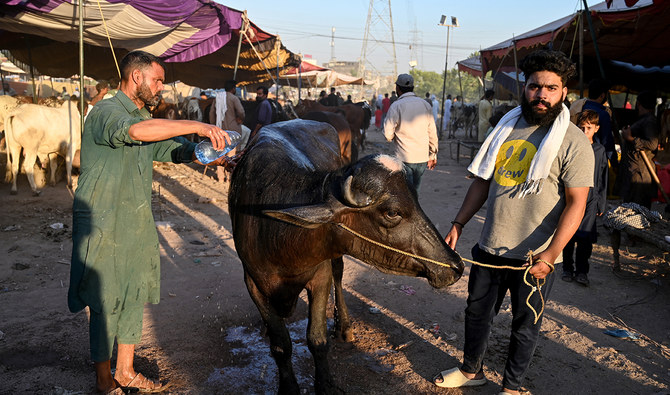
453,378
145,390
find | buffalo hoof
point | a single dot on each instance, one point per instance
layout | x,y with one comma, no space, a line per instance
346,336
12,192
327,388
286,388
37,193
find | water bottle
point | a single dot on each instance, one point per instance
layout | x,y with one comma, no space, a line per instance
206,153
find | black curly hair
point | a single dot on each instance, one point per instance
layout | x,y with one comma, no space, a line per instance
548,60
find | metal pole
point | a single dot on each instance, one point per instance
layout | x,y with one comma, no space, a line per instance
278,44
444,83
239,43
516,71
581,55
32,71
81,64
595,41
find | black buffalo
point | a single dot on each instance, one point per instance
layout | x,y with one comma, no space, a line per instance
293,207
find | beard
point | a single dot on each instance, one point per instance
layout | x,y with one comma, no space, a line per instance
146,96
259,99
536,118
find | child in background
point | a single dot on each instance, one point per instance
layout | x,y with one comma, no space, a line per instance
577,268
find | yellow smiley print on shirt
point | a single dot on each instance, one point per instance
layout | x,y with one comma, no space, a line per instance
513,162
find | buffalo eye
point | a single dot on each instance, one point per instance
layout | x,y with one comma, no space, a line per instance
392,215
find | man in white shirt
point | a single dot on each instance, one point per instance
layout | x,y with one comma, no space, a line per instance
410,125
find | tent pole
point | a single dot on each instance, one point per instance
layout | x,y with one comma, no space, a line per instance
460,84
444,83
81,64
516,70
299,79
239,44
32,71
278,44
595,41
581,55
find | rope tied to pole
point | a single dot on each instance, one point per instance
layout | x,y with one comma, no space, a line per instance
537,287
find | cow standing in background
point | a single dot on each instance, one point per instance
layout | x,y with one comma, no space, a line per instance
41,131
356,114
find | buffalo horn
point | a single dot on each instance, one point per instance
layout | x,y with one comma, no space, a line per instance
349,195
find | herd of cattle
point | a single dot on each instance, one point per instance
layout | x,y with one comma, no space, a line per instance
40,133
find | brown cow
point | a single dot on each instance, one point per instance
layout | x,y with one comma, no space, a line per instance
354,114
166,110
338,121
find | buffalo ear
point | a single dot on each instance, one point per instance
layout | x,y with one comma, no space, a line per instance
304,216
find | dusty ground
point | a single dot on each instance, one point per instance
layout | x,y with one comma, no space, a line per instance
204,335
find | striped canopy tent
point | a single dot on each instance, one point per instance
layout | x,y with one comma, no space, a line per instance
636,32
312,76
504,84
198,39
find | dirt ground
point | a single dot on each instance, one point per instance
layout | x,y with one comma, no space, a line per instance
204,336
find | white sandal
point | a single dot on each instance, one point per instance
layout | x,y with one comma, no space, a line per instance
454,378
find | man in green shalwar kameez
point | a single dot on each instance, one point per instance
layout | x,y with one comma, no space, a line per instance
115,257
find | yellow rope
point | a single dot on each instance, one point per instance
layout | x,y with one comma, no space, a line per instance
111,47
534,287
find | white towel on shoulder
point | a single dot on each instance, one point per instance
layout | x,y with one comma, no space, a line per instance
483,165
221,107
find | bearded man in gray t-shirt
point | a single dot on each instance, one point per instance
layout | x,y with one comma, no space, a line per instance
533,172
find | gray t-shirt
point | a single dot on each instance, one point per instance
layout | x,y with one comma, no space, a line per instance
514,226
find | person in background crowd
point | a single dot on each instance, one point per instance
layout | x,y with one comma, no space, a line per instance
264,110
332,98
7,90
435,105
598,93
348,101
228,114
641,138
102,87
533,173
577,267
410,126
386,104
323,98
485,112
447,114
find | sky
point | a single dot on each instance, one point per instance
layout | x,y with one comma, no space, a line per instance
305,27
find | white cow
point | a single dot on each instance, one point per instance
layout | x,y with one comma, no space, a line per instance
7,105
42,131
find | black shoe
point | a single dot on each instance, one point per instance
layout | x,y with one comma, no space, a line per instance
567,277
582,279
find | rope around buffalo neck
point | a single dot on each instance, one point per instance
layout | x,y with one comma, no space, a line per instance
539,282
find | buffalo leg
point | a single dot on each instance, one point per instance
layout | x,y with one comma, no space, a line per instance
343,331
318,291
280,340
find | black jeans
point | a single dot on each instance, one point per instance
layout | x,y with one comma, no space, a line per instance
486,290
581,261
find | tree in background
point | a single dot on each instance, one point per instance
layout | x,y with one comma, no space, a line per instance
430,81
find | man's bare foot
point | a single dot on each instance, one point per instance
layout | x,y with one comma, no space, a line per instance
471,376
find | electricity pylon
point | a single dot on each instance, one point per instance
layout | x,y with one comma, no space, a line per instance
377,30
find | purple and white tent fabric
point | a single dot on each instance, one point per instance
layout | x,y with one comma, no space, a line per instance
45,33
